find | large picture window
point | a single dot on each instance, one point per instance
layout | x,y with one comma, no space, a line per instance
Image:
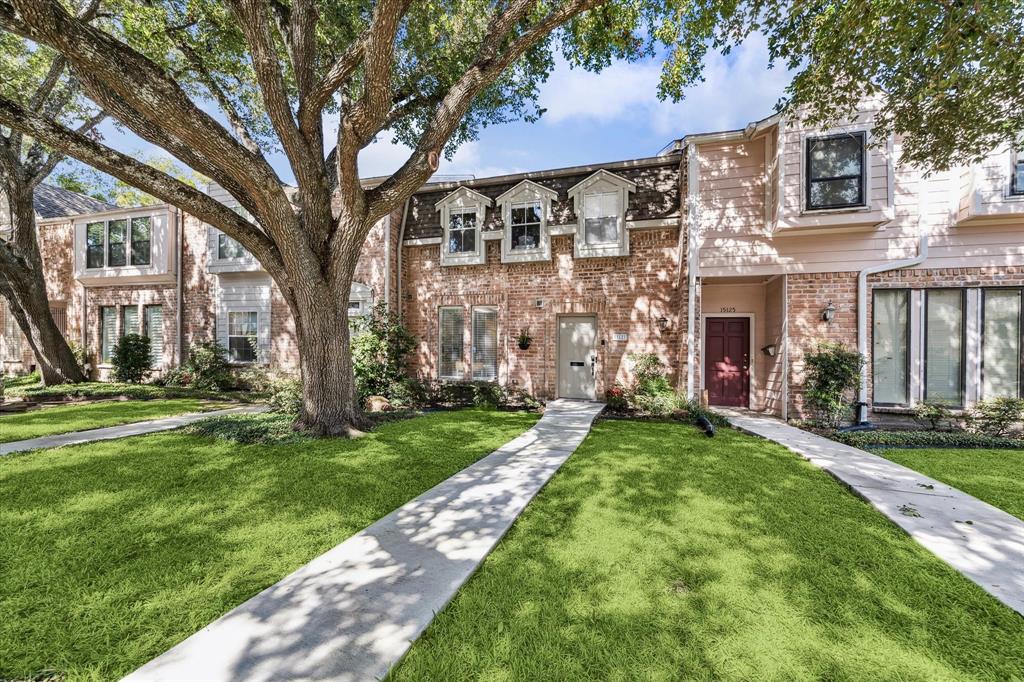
944,346
462,230
525,228
890,343
451,343
485,344
834,169
601,218
242,330
1001,343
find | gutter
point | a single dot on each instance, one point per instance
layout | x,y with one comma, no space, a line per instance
862,298
179,349
398,259
692,263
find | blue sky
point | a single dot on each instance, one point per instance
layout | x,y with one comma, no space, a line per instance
590,118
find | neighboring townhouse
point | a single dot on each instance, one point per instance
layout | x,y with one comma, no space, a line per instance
781,235
56,211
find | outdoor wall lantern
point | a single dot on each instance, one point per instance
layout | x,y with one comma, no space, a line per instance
829,313
770,350
663,323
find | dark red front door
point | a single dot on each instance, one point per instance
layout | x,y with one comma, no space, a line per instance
727,361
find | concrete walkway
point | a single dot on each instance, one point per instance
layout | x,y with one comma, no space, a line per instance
122,431
982,542
353,612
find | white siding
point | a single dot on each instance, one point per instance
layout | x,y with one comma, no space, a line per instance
244,292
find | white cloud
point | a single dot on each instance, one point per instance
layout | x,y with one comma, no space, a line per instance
737,89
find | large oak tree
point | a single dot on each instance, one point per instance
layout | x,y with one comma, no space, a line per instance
38,79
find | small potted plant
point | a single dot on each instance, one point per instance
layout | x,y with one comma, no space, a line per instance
524,339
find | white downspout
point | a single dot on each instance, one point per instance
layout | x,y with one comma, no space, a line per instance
862,295
692,265
398,258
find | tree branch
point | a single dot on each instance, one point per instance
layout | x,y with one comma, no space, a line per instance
311,108
146,178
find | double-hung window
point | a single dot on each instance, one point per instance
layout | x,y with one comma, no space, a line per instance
944,346
485,344
108,332
890,346
242,339
118,243
835,171
526,224
462,230
450,343
601,217
228,248
1001,344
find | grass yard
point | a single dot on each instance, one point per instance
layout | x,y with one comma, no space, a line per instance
657,554
112,552
66,418
995,476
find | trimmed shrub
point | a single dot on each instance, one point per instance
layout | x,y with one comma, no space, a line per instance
936,416
207,367
380,348
996,416
924,439
408,392
616,399
285,396
131,359
833,373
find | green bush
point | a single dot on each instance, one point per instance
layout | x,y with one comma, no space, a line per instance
380,348
408,392
996,416
833,373
925,439
285,395
249,429
936,416
693,410
616,398
651,392
206,369
131,359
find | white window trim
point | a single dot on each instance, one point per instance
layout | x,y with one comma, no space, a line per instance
869,153
526,191
128,264
472,340
257,350
601,182
363,295
1008,193
464,200
458,376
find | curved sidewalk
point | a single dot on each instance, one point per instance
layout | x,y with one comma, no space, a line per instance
353,612
120,431
980,541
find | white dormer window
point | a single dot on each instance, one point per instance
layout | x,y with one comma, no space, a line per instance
600,204
525,210
462,217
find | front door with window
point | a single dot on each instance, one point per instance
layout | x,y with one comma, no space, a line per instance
727,361
577,357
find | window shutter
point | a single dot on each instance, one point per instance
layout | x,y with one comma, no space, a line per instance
485,344
944,346
450,361
889,347
1001,344
130,323
155,332
108,331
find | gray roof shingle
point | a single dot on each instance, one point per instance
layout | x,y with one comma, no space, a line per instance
56,202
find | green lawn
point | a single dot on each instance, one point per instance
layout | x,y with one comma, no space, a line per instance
995,476
29,387
110,553
657,554
66,418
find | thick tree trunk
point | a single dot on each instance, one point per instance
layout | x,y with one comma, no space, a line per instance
23,287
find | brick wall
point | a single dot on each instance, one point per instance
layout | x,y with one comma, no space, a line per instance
627,295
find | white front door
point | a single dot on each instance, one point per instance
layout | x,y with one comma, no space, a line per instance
577,357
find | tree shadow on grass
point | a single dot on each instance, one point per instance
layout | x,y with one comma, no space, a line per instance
112,552
659,554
